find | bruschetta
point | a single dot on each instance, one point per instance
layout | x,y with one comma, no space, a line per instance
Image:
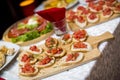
72,58
79,35
66,39
45,61
70,15
28,70
51,42
93,17
56,52
107,13
117,8
81,46
81,21
26,57
35,49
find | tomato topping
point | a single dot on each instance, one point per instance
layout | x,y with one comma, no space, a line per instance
101,3
86,11
55,50
81,19
25,58
66,37
49,42
79,34
106,11
91,4
28,68
92,16
72,57
98,8
34,48
81,8
44,61
71,15
117,7
80,45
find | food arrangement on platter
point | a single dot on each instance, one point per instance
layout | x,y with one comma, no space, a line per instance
58,3
29,30
7,53
59,54
92,14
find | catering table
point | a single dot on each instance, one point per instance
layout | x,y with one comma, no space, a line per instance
105,67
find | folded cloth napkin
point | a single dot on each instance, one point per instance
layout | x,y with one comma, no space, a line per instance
52,14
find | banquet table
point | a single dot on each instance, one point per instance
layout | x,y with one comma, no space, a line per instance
105,67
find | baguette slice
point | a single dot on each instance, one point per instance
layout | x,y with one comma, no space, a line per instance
79,35
52,61
107,13
2,59
87,47
35,49
51,42
28,55
56,52
28,73
93,17
75,59
66,39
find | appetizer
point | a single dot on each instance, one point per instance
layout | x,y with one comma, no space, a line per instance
79,35
56,52
107,12
45,61
51,42
81,21
26,57
117,8
28,70
81,46
93,17
66,39
2,59
72,58
35,49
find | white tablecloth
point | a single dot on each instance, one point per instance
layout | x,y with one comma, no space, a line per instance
78,73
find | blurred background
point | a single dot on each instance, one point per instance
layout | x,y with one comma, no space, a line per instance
12,11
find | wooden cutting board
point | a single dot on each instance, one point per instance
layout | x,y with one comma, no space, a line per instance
88,56
75,27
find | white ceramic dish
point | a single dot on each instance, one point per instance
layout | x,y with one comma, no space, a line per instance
10,57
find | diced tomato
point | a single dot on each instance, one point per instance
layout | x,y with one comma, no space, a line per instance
92,16
101,2
44,61
25,58
81,8
106,11
71,15
49,42
66,37
81,19
34,48
72,57
55,50
28,68
91,4
117,7
86,11
99,7
80,45
79,34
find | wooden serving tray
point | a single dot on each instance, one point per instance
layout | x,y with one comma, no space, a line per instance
88,56
75,27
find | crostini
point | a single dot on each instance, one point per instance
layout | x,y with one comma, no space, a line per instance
81,46
45,61
28,70
56,52
72,58
66,39
107,13
26,57
51,42
79,35
35,49
93,17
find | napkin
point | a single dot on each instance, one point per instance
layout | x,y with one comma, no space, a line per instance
52,14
